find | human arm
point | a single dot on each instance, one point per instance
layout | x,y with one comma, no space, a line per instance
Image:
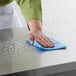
33,14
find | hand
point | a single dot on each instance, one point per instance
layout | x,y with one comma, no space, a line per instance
40,38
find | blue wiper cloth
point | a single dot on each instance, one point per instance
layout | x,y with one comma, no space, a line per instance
57,45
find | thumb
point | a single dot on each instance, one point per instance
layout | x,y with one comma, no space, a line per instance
31,38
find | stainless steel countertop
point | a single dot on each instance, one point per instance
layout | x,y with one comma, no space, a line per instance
16,56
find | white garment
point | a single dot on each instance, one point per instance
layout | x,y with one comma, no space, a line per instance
10,16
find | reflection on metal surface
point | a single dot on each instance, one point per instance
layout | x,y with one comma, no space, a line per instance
10,47
15,54
12,41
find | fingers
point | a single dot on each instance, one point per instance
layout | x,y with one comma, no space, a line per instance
49,43
31,38
44,41
41,42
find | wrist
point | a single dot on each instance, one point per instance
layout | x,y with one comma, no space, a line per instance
35,25
36,31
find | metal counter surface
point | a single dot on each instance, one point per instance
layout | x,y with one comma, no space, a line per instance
16,56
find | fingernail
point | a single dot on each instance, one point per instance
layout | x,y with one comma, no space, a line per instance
31,42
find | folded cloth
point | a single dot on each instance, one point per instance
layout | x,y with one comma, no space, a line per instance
57,45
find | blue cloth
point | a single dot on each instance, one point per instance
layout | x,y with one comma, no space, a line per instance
57,45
